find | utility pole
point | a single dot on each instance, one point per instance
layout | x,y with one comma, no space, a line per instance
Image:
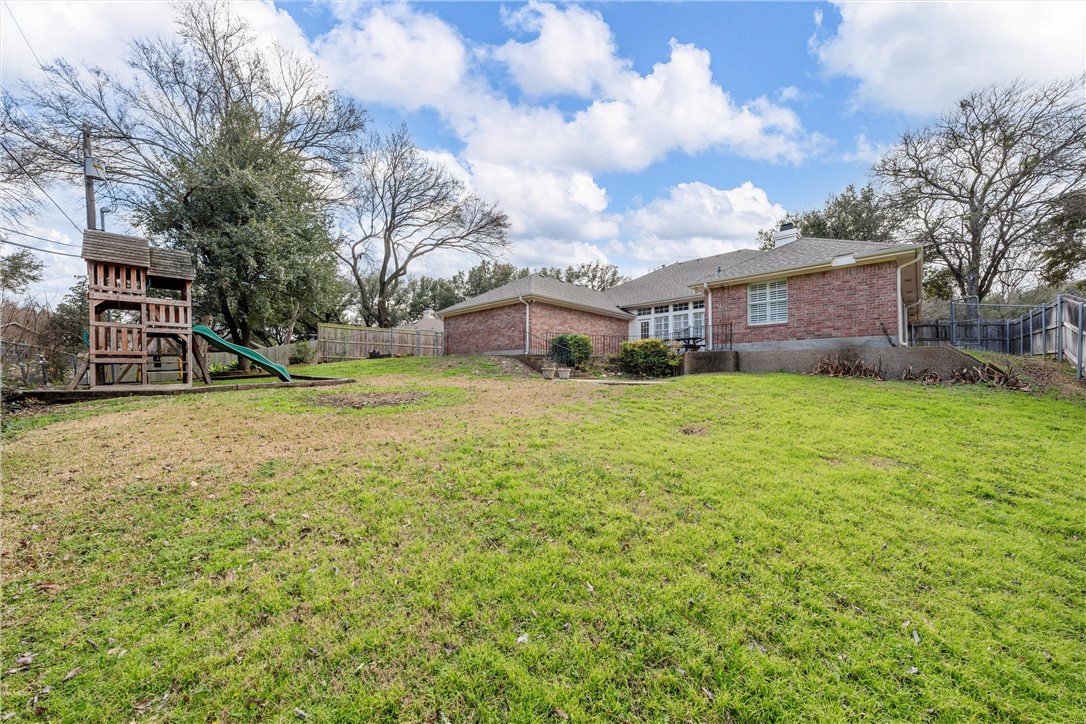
88,181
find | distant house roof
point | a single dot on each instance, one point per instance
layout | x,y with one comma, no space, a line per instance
539,288
116,248
673,281
802,256
427,323
172,264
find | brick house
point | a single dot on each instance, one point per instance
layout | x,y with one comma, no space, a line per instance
803,293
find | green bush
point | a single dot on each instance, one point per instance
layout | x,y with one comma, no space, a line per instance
223,369
571,349
649,358
302,353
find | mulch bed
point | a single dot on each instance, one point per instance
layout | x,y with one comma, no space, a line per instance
365,400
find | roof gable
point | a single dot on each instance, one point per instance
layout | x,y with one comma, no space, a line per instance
674,280
116,248
536,286
804,253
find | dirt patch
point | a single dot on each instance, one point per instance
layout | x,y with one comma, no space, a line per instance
364,400
697,430
1043,375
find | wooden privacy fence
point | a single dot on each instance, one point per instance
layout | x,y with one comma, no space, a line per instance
279,354
1057,328
345,342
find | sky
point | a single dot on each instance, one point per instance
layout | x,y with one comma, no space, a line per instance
637,134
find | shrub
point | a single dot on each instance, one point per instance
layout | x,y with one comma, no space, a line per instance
222,369
302,353
649,358
571,349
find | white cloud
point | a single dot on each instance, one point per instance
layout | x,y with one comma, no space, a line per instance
696,219
542,202
574,52
639,120
76,31
865,151
921,57
396,56
537,252
97,32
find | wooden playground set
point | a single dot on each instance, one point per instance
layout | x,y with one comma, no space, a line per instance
140,338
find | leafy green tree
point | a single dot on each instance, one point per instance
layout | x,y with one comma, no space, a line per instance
594,275
855,215
70,318
255,224
1064,259
484,276
18,270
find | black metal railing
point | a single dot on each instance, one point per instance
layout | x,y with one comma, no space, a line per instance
606,345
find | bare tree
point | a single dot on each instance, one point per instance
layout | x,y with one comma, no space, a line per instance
979,185
406,208
173,101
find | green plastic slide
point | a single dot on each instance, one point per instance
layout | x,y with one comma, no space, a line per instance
255,357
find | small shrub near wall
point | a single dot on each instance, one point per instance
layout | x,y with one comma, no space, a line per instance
302,353
571,349
649,358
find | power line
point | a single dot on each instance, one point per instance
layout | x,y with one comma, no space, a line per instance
25,40
43,251
39,238
35,181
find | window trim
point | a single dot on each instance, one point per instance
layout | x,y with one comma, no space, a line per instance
770,304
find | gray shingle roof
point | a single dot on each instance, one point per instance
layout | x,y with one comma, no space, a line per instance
115,248
674,280
172,264
541,287
804,252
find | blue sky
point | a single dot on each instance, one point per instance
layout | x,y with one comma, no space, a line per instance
634,133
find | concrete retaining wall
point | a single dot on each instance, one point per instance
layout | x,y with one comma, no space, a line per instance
892,361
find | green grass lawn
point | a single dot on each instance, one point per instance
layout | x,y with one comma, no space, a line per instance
722,547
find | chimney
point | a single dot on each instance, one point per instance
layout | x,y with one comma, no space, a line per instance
787,234
429,314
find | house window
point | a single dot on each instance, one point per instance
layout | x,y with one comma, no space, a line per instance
660,331
699,323
682,324
767,302
661,310
682,307
700,304
644,311
645,329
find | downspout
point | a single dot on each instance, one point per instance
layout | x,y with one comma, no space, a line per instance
909,342
708,317
902,310
527,324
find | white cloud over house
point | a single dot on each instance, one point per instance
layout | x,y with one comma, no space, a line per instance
919,58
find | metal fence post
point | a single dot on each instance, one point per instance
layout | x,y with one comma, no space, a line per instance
953,324
1059,327
1081,312
1044,332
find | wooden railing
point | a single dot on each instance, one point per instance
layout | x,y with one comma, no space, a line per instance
115,278
117,340
167,313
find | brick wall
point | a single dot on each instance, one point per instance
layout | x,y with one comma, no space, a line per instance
850,302
552,318
500,329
